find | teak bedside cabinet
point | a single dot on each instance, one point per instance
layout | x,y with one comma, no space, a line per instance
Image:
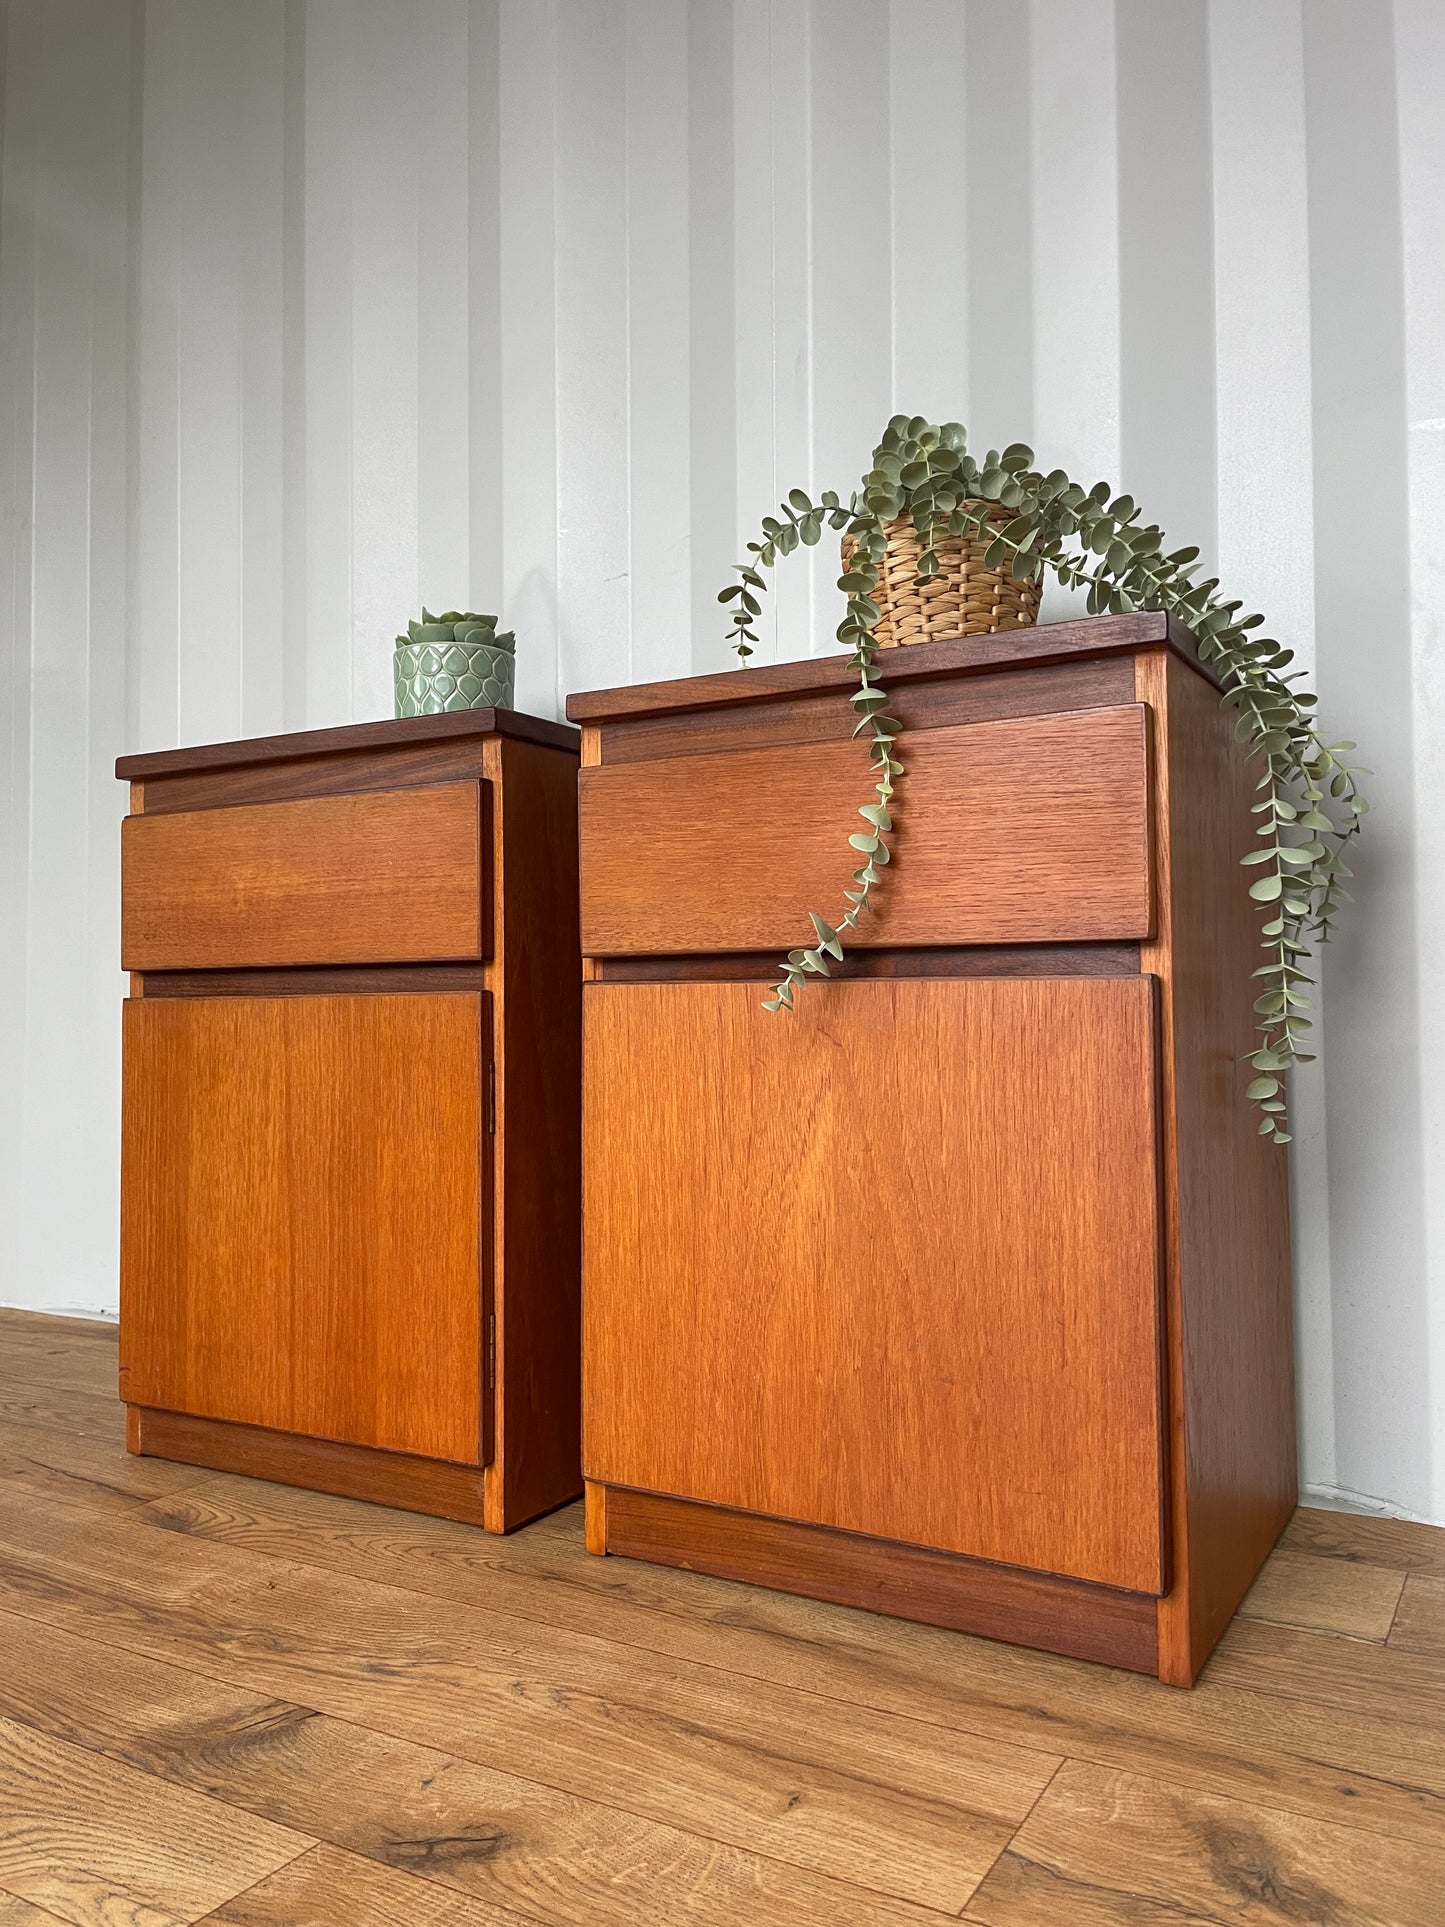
350,1112
962,1292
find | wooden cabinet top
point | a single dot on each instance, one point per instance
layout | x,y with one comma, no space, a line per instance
407,733
1052,642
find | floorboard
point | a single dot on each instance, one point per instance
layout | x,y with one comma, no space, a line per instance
1393,1543
77,1355
99,1415
896,1805
85,1837
15,1912
1420,1620
1326,1596
495,1836
1223,1737
329,1888
1117,1848
94,1472
233,1702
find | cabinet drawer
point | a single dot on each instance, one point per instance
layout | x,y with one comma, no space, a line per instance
1030,830
390,877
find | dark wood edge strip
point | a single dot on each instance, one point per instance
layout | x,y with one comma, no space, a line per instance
961,655
1011,693
313,980
973,960
436,1486
397,733
1058,1615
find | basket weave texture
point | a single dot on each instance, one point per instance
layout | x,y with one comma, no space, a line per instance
966,598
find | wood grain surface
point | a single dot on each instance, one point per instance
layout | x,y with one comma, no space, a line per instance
402,734
826,716
935,1588
314,980
59,1354
1230,1349
1335,1596
970,960
497,893
393,876
535,975
1091,638
433,1485
92,1840
1419,1622
497,1836
1103,1847
508,1726
1027,830
1225,1737
25,1401
1356,1536
889,1265
74,1464
1261,1727
352,772
329,1888
780,1774
15,1912
301,1202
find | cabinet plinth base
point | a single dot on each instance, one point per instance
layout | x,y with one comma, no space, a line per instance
907,1582
399,1479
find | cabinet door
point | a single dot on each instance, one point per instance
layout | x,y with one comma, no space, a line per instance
303,1215
889,1263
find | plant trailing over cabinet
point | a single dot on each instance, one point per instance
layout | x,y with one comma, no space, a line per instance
1310,805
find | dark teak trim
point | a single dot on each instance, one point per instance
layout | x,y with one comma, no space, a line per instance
972,960
882,1575
436,1486
314,980
402,733
962,655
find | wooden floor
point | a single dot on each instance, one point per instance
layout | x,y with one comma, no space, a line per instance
232,1702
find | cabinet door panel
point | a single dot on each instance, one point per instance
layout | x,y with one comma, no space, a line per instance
303,1213
890,1263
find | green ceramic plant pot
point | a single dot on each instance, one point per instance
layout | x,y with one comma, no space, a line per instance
441,675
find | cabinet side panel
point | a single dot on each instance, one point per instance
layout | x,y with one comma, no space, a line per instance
1231,1365
301,1195
537,975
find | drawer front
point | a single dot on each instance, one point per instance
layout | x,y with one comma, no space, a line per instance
303,1215
890,1266
1030,830
390,877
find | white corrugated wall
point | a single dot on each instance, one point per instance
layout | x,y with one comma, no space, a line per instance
312,309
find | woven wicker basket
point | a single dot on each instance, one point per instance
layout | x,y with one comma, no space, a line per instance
965,598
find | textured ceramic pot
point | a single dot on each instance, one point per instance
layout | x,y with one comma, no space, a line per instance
435,676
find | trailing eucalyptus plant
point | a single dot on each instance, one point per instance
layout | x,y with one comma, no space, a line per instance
1310,804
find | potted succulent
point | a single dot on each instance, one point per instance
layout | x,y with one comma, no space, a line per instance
933,523
453,661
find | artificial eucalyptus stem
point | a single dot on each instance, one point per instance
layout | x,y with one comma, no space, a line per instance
924,472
